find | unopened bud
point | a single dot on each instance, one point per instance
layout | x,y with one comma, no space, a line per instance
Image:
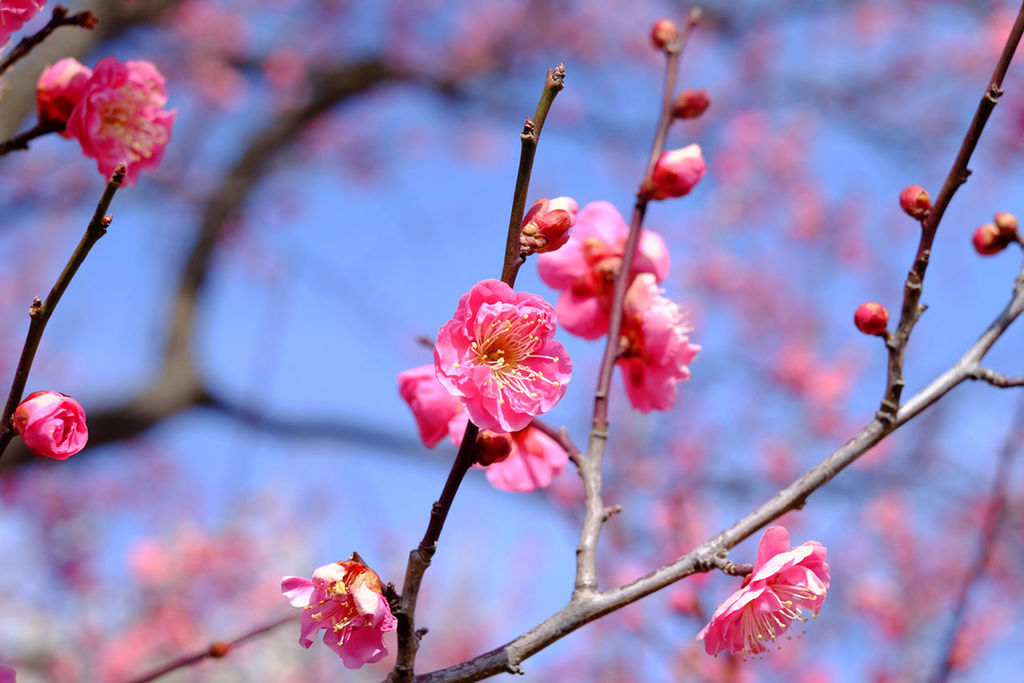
663,33
690,104
677,172
219,649
546,225
871,318
492,447
51,424
1007,224
989,240
915,201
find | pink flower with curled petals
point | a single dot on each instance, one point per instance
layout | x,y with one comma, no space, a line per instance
121,117
431,404
656,347
546,225
14,14
785,585
585,268
498,356
51,424
59,90
525,461
346,600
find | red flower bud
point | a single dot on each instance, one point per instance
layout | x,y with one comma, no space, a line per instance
871,318
51,424
677,172
915,201
690,104
663,33
60,89
546,225
219,649
988,240
492,447
1007,224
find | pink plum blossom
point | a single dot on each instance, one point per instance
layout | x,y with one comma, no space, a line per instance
656,349
532,460
59,90
345,599
51,424
585,268
498,356
677,172
7,674
785,585
14,14
121,117
546,225
431,404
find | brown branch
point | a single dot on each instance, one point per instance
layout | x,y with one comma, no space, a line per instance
217,650
996,379
40,311
21,140
420,557
911,308
590,467
59,18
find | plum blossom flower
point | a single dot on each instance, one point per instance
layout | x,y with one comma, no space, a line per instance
498,356
14,14
7,674
677,172
51,424
59,90
546,225
431,404
345,599
121,118
785,585
656,351
585,268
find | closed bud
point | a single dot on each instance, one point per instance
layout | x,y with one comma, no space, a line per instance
690,104
989,240
1007,224
915,201
51,424
492,447
546,225
219,649
59,90
871,318
677,172
664,33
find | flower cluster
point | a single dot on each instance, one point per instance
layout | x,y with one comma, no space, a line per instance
115,111
346,600
656,350
785,586
51,424
14,14
520,461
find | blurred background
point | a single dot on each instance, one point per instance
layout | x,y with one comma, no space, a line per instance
341,172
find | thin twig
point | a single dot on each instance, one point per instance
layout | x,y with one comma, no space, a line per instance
420,557
59,18
996,379
912,309
40,311
590,468
21,140
217,650
993,520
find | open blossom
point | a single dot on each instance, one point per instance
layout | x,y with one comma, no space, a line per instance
785,585
585,268
431,404
498,356
59,90
121,117
14,14
546,225
345,599
51,424
656,347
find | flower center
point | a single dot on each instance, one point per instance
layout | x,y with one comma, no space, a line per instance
125,120
505,346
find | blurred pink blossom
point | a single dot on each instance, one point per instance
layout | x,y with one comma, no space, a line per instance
585,268
51,424
14,14
59,90
7,674
677,172
656,349
431,404
345,599
533,461
784,586
121,117
497,354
